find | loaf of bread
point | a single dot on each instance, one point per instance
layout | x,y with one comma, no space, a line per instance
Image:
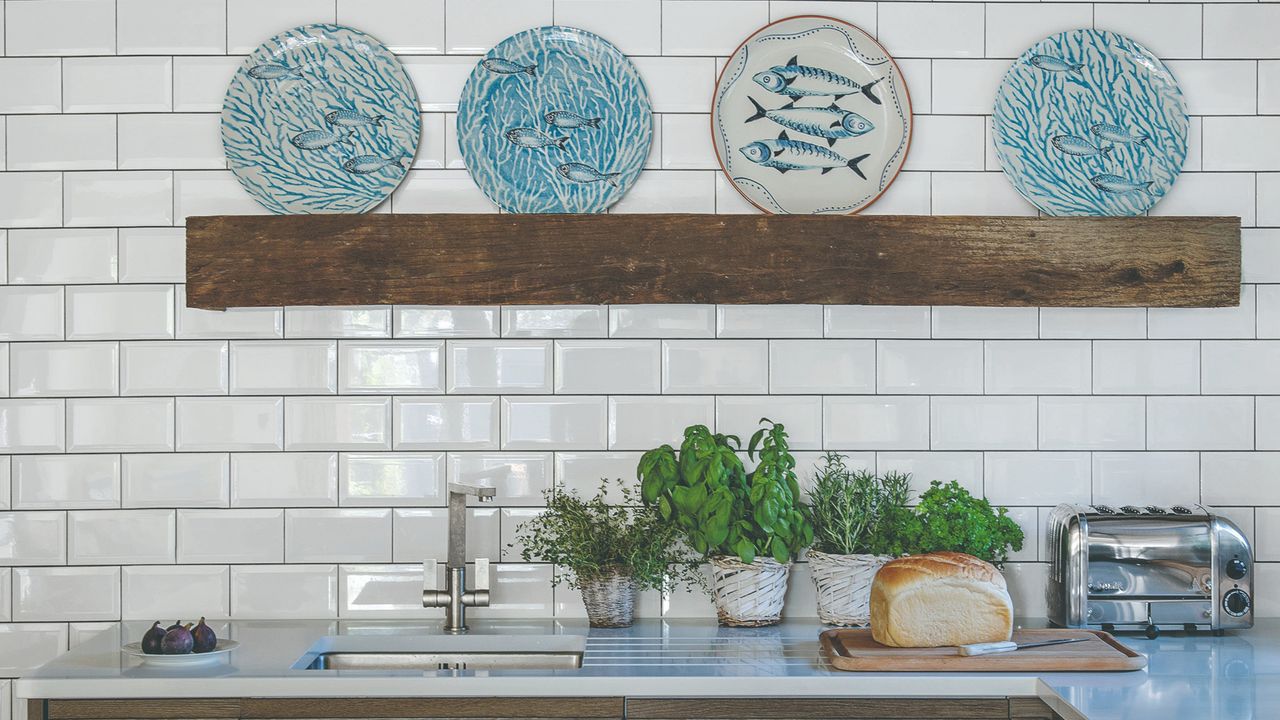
942,598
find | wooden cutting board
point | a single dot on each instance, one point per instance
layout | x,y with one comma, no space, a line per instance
853,649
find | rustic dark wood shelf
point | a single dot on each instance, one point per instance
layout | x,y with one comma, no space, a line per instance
383,259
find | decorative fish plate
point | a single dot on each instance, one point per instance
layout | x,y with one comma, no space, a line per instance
554,120
320,119
811,115
1089,122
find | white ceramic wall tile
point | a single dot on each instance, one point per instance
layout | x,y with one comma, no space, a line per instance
801,416
666,191
715,366
710,27
336,322
67,593
559,423
337,535
34,425
48,257
428,321
1200,423
63,369
677,84
1169,31
1241,143
1198,193
641,423
211,192
170,141
56,482
1161,478
32,85
125,312
26,646
683,144
284,591
876,423
965,468
608,366
519,478
555,321
975,193
288,367
31,313
1268,86
583,471
1033,367
822,366
382,479
250,23
446,423
205,424
1011,28
1269,311
499,366
474,26
159,27
231,536
906,367
974,423
517,591
200,83
440,191
120,424
1146,367
404,26
60,27
933,29
187,591
62,142
1086,323
963,87
1233,31
1092,423
1022,478
774,321
173,368
634,26
439,82
1239,367
1228,478
1268,423
174,480
223,324
985,322
296,479
946,142
337,423
1217,87
656,321
391,366
31,199
117,84
423,533
390,591
33,538
120,537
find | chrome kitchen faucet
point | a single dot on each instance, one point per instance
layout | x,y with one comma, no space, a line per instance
455,599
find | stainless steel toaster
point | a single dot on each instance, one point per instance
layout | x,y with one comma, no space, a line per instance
1148,568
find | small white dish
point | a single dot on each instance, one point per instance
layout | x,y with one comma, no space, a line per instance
190,659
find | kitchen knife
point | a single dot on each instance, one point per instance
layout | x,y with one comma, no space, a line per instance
1009,645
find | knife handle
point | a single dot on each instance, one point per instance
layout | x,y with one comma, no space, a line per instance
987,648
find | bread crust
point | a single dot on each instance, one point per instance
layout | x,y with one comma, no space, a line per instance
937,599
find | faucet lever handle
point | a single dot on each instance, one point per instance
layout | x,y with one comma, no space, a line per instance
429,575
481,581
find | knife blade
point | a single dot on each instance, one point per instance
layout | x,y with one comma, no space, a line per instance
1010,646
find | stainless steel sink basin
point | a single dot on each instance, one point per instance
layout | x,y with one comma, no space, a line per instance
429,653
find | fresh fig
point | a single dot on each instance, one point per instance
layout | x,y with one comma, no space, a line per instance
203,637
176,624
151,641
177,641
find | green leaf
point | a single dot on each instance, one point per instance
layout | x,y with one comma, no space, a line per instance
746,551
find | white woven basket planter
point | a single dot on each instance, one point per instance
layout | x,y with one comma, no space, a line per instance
748,595
843,583
610,599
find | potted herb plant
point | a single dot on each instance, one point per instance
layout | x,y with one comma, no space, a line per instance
860,522
610,552
750,525
952,519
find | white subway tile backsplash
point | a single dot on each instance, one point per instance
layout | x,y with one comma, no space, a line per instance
1241,143
1224,322
221,424
683,143
582,471
1217,87
63,369
440,191
174,480
1228,478
117,85
667,191
160,27
337,322
924,367
230,536
54,482
973,423
126,312
27,646
337,423
677,84
1168,30
120,537
1241,31
120,424
1027,478
1268,86
49,257
404,26
1219,193
559,423
985,322
1200,423
586,321
210,192
374,591
715,366
276,479
446,423
608,366
33,538
425,321
474,26
60,27
633,26
1268,423
66,593
391,366
519,478
946,142
1146,367
32,85
641,423
170,141
499,366
32,425
1013,27
222,324
187,591
876,321
881,422
965,468
200,83
337,535
658,321
289,367
173,367
710,27
1160,478
62,142
862,14
774,321
284,591
439,82
1086,323
1035,367
1241,367
422,533
932,29
381,479
1269,311
1092,423
801,416
518,591
31,199
822,366
249,23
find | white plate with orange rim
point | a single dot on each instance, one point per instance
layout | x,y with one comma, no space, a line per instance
221,650
811,115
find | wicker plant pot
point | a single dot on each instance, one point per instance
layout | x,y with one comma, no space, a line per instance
843,583
748,595
610,599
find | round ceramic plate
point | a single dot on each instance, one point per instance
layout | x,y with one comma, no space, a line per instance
554,120
320,119
811,115
1089,122
223,647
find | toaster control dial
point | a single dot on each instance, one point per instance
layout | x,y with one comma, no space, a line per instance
1236,568
1236,602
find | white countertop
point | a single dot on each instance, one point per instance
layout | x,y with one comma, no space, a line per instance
1234,677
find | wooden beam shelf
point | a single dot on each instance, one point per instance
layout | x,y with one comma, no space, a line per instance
455,259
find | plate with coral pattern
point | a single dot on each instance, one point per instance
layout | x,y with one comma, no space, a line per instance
1089,122
185,660
554,120
811,115
320,119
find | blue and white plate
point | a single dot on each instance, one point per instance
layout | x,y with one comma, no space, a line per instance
811,115
1089,122
320,119
554,120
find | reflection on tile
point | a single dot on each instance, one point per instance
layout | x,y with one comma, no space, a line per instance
520,478
391,366
381,479
181,591
423,533
446,423
390,591
284,591
518,591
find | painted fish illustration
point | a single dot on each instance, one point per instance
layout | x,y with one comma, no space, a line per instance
316,139
503,66
1078,146
566,119
1117,184
533,138
365,164
784,154
1117,134
350,118
1055,64
797,81
577,172
831,122
273,71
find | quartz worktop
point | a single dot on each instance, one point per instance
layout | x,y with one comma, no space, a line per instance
1233,677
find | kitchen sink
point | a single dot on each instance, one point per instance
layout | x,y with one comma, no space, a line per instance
422,653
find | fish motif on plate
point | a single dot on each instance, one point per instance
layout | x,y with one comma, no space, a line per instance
1089,122
811,115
